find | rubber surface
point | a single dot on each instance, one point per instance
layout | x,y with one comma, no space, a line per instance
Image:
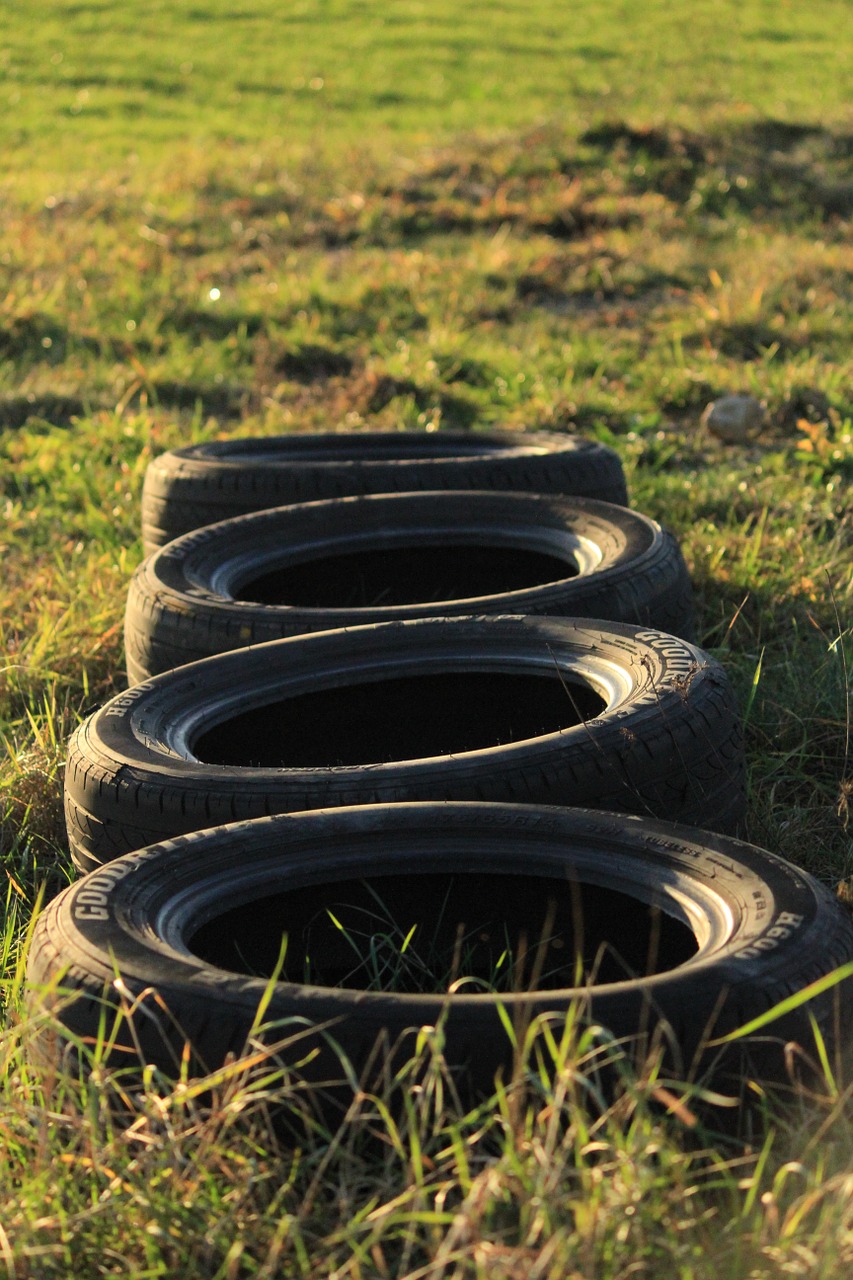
761,930
532,709
188,488
350,561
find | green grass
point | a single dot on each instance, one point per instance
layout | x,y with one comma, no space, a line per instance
592,218
84,83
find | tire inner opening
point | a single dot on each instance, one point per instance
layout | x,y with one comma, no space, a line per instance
408,718
439,932
404,575
390,446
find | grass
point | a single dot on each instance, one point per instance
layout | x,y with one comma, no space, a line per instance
545,1178
595,224
100,81
363,941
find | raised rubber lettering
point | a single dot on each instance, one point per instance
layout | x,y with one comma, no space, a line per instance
126,700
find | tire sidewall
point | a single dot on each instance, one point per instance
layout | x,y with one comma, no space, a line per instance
784,929
151,724
181,605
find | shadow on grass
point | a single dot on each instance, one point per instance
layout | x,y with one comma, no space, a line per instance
773,167
456,412
216,327
312,362
39,337
390,306
211,400
567,287
59,411
749,340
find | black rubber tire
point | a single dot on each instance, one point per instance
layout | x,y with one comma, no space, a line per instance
508,553
188,488
590,713
167,919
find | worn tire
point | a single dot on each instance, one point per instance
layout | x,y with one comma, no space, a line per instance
171,923
188,488
550,710
228,585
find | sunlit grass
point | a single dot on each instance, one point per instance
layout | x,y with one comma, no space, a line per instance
260,220
121,83
554,1175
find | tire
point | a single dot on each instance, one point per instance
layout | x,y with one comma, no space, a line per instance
549,710
188,488
194,929
226,586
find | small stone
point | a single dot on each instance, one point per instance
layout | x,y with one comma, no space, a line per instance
734,419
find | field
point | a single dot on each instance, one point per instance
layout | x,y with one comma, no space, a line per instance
583,218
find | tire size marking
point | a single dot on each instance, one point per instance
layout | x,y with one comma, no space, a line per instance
782,928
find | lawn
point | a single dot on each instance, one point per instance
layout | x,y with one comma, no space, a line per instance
250,220
95,84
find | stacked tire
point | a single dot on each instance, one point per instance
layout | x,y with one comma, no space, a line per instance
441,672
352,561
189,488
